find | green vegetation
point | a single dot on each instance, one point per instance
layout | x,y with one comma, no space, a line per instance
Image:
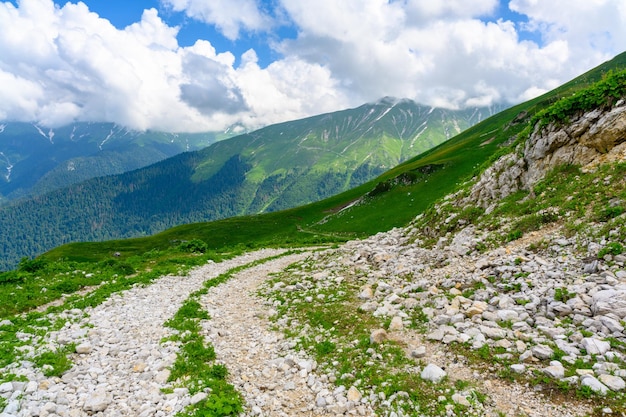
600,95
84,150
274,168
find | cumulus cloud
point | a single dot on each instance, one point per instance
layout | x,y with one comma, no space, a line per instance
229,16
64,64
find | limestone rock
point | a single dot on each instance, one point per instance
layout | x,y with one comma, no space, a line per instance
378,336
615,383
595,385
354,394
83,348
595,346
433,373
396,324
542,352
97,401
609,301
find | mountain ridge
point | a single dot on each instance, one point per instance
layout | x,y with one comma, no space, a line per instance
35,159
276,167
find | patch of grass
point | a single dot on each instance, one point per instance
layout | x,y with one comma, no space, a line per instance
613,248
195,365
55,363
562,294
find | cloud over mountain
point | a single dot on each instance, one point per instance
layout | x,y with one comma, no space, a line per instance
66,63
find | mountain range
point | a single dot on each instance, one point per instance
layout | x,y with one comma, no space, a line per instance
277,167
36,159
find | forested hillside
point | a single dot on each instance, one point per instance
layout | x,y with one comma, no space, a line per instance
35,160
280,166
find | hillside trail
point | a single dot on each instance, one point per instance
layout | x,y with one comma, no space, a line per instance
123,370
122,367
262,364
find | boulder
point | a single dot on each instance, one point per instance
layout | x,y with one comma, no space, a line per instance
378,336
433,373
609,301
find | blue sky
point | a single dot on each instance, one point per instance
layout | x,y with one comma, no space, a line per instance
193,65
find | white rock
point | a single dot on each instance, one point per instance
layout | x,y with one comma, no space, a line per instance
198,397
419,352
354,394
542,352
518,368
615,383
595,346
97,401
461,399
84,348
396,324
433,373
595,385
609,301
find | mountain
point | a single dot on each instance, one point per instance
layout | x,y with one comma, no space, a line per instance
35,159
393,199
502,285
277,167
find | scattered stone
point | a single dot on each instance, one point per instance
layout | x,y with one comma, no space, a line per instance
419,352
198,397
396,324
378,336
595,346
461,399
83,348
433,373
595,385
542,352
518,368
615,383
97,401
354,395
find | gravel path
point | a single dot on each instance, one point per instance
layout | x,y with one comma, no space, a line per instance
123,364
274,380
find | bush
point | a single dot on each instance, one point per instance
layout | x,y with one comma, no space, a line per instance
13,277
31,265
194,246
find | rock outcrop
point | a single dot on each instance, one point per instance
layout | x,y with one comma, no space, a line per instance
594,137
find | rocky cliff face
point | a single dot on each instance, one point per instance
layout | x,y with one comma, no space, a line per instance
594,137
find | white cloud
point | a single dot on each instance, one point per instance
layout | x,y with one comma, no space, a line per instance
63,64
60,64
594,29
453,59
229,16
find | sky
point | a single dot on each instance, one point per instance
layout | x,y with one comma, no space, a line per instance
207,65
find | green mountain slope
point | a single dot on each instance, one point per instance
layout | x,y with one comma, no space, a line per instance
278,167
35,160
391,200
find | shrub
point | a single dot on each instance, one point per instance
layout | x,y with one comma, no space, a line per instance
31,265
194,246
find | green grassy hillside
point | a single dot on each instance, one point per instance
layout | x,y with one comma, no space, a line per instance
391,200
